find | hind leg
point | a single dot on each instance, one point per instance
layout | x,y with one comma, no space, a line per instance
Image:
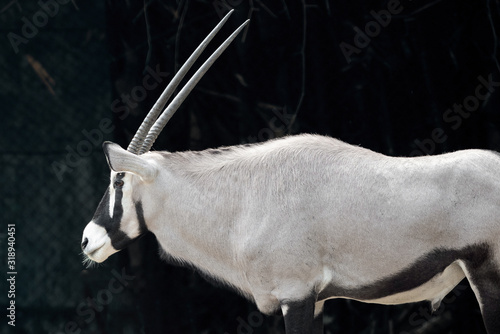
487,291
318,318
490,309
485,282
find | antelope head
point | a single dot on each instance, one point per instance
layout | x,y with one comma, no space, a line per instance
119,218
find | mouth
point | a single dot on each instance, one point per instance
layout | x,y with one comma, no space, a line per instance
88,262
96,244
93,256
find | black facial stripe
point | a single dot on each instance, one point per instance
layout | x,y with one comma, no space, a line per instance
119,239
101,215
413,276
118,208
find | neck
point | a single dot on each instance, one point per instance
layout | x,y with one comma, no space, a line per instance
194,223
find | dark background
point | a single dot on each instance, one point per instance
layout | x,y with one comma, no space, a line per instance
64,86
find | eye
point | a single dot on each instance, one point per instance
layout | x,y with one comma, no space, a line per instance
118,183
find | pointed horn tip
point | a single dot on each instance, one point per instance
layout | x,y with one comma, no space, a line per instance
243,25
226,17
238,30
147,141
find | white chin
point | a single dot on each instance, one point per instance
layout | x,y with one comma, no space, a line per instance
98,259
98,247
101,254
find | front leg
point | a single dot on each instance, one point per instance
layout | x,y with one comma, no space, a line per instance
299,316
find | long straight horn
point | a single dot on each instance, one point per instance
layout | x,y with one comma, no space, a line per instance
177,101
143,130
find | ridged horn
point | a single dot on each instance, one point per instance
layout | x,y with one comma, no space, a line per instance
138,139
184,92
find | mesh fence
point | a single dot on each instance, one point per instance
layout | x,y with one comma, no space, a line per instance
56,111
51,89
57,106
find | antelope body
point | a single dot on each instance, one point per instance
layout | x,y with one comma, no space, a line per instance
292,222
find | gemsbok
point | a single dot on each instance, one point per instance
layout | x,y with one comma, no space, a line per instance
295,221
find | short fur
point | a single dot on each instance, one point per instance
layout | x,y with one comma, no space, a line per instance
298,220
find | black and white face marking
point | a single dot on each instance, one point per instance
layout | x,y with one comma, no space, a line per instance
117,221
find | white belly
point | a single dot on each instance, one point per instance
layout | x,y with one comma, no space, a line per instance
433,290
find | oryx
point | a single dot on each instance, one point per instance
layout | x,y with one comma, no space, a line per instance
295,221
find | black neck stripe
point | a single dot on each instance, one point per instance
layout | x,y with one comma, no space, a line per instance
140,218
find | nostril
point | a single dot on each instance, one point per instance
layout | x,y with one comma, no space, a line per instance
85,243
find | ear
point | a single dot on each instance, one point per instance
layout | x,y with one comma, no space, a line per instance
120,160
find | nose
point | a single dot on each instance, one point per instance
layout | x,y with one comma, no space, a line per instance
84,243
